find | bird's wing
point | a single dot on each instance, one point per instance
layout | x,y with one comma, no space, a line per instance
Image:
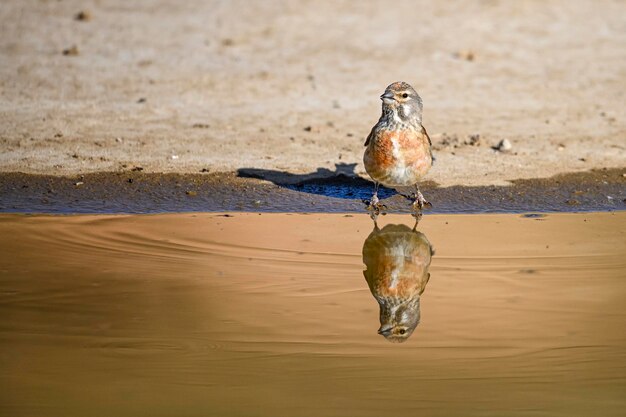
427,137
370,136
430,143
424,285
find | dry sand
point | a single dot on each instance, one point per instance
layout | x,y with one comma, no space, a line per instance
293,86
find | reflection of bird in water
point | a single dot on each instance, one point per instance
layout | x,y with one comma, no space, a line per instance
397,259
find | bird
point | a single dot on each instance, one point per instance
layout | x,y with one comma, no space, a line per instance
397,259
398,150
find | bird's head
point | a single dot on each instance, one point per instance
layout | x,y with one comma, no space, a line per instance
397,325
402,100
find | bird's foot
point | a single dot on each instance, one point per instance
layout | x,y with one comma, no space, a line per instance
375,207
418,201
417,214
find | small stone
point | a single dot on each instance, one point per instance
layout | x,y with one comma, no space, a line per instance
257,202
474,140
466,55
174,156
136,169
572,202
119,140
71,51
205,170
130,180
82,16
447,140
191,193
504,146
308,129
78,183
142,100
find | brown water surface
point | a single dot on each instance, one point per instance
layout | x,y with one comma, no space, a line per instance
278,315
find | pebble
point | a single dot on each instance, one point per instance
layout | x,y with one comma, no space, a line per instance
83,16
504,146
474,140
71,51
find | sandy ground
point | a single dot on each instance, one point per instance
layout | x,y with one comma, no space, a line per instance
293,86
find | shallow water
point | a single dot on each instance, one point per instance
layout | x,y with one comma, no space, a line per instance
271,314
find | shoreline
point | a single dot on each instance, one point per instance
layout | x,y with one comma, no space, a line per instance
140,192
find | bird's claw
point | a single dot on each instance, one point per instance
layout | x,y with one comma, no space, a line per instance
375,207
419,202
424,204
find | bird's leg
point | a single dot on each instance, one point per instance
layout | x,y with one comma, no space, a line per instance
417,214
419,202
373,205
375,199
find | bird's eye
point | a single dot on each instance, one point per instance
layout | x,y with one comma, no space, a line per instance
402,331
405,95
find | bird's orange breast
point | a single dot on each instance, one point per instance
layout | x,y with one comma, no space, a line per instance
398,157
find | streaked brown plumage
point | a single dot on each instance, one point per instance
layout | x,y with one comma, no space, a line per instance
398,149
397,259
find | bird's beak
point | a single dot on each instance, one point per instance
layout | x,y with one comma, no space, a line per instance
384,331
387,96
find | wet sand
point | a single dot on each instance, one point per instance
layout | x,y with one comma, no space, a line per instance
135,191
271,314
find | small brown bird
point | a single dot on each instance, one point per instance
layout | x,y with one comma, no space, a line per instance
397,259
398,149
